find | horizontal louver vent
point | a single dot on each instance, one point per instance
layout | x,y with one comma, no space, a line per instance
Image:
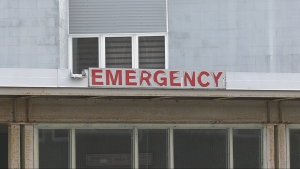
85,54
118,52
152,52
117,16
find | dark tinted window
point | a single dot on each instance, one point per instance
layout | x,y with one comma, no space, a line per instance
103,148
85,54
118,52
54,148
247,148
3,146
153,148
295,148
200,148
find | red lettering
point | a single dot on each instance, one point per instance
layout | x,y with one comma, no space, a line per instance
217,78
147,79
164,79
94,76
187,77
128,78
200,81
109,76
172,78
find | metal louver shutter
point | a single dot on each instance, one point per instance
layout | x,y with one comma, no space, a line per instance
117,16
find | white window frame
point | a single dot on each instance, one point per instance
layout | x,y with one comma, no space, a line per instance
136,127
135,61
101,42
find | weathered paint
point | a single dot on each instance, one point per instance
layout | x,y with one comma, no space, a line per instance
270,147
290,112
6,110
273,107
70,110
281,147
27,146
14,146
146,111
21,108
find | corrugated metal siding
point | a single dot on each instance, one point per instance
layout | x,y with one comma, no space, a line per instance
117,16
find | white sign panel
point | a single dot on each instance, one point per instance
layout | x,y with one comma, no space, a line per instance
153,78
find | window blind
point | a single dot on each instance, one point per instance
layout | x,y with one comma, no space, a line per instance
152,52
118,52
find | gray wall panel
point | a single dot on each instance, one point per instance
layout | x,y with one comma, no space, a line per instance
117,16
33,34
235,35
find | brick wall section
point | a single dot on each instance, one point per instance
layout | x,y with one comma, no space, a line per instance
29,34
235,35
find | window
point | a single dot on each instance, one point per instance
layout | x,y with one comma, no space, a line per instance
117,34
85,53
150,146
3,146
200,148
111,51
55,149
294,148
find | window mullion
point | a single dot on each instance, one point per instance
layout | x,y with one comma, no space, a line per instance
264,148
170,149
231,148
72,150
135,55
70,51
135,159
166,52
36,148
102,51
99,51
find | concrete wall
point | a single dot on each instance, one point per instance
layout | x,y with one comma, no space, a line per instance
235,35
60,110
30,33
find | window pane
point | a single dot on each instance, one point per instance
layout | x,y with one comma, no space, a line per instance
103,148
85,54
247,148
153,148
53,148
200,148
295,148
3,146
152,52
118,52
